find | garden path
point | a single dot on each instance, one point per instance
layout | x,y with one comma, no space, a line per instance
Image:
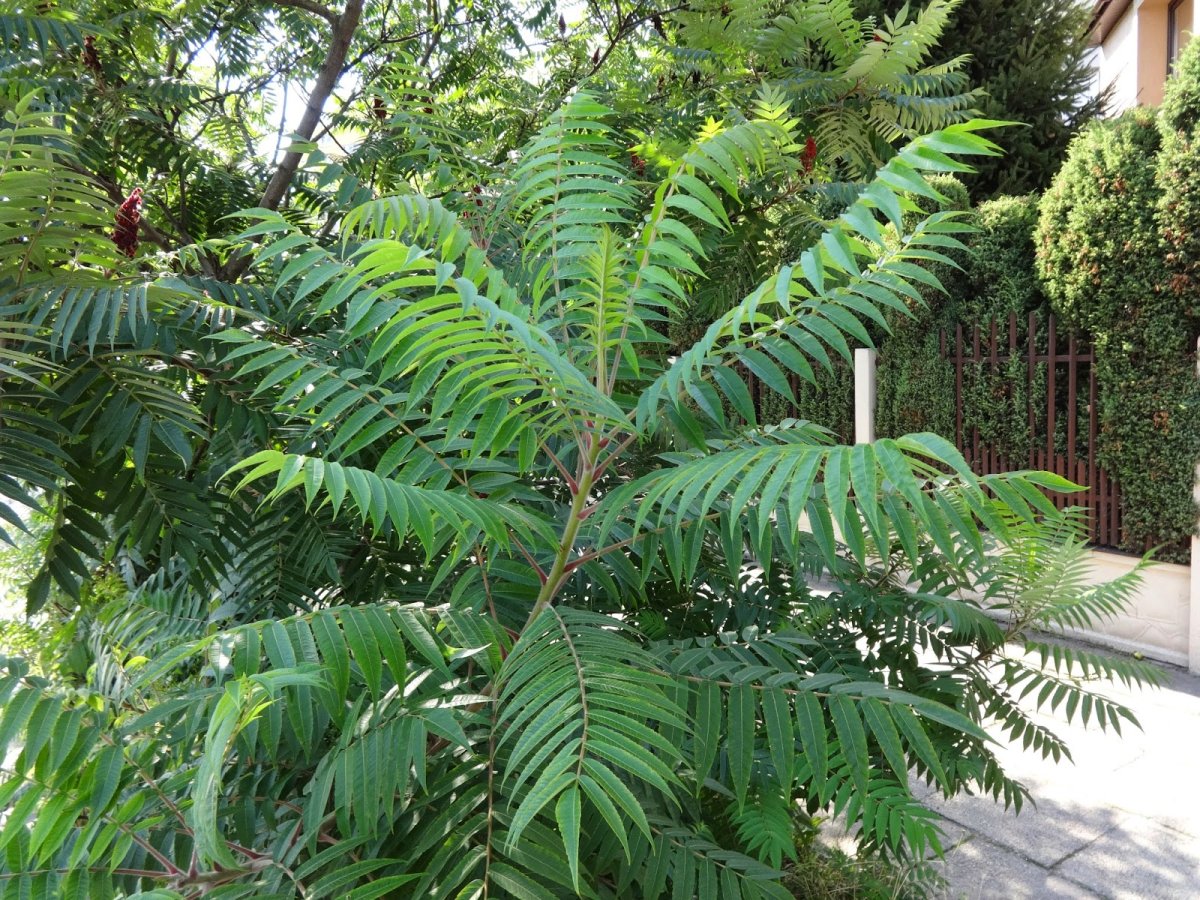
1121,823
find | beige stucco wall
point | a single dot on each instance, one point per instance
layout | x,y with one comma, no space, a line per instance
1194,648
1151,50
1157,622
1133,54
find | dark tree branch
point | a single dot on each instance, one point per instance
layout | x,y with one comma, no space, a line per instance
343,33
343,30
625,26
384,40
311,6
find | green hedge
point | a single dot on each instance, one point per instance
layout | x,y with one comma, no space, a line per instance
1172,390
1113,248
1099,251
916,386
1117,253
1179,178
1001,277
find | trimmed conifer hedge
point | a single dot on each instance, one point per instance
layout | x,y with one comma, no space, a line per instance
1119,253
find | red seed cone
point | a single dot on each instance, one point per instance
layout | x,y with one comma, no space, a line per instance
129,217
90,57
808,158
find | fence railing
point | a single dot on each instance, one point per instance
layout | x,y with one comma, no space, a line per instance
1062,451
1061,415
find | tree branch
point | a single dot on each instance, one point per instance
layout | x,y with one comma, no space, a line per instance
311,6
343,33
344,27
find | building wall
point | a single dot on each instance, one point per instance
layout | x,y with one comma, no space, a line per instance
1132,57
1118,63
1151,50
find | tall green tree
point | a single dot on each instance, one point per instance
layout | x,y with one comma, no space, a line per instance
440,572
591,665
1032,62
169,112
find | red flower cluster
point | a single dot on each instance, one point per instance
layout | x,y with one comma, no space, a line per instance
639,164
379,108
91,58
129,217
808,158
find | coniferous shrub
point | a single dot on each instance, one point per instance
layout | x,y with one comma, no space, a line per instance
1001,277
1032,60
1179,225
1179,178
1102,251
1098,249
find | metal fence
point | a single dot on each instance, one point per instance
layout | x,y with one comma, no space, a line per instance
1070,380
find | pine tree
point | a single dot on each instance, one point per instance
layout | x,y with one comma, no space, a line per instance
1031,59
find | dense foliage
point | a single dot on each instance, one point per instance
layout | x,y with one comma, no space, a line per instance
916,386
1104,256
993,278
1179,178
857,91
1031,60
398,546
1111,248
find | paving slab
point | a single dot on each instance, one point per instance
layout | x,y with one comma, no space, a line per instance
1165,790
1044,835
978,869
1121,823
1138,860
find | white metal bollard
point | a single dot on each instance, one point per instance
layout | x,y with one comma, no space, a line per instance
864,395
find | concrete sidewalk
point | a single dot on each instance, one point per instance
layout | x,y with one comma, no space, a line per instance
1123,822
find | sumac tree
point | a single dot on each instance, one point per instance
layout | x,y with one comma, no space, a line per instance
447,577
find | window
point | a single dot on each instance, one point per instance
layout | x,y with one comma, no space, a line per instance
1180,15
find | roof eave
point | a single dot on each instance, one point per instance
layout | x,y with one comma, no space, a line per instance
1106,14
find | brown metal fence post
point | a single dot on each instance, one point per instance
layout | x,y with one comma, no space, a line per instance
1030,372
1051,388
958,387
